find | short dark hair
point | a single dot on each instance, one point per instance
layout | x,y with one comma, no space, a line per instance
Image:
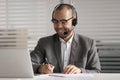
68,6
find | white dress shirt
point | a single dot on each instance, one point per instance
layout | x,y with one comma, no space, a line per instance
65,51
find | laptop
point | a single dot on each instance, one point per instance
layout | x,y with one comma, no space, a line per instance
15,63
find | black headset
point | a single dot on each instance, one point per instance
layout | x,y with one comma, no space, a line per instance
74,21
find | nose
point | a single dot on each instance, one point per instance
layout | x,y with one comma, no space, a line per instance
58,25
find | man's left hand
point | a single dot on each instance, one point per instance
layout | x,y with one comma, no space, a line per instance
71,69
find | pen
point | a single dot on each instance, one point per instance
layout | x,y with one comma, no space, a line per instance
46,60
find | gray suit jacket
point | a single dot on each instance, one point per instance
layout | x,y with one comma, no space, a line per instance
83,54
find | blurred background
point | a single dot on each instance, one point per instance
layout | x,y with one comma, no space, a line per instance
97,19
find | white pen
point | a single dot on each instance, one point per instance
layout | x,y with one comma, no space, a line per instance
46,60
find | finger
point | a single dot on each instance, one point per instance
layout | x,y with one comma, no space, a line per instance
68,69
50,67
75,70
71,69
46,69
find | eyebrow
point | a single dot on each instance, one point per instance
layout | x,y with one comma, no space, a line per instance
64,19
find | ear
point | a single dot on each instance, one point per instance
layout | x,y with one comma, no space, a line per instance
74,22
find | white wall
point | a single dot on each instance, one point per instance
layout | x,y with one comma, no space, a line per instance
97,19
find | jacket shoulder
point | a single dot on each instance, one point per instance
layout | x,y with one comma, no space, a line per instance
83,38
48,38
84,41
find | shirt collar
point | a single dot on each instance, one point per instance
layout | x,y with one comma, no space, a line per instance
69,41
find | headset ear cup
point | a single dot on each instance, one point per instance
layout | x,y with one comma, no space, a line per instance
74,22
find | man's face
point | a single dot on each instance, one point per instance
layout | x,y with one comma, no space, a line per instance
63,21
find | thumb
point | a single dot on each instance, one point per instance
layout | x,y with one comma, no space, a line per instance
52,67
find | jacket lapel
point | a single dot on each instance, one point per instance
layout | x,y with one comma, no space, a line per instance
58,51
75,48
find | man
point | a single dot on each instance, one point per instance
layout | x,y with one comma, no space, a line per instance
65,52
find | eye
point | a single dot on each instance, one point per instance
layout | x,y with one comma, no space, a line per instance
54,21
63,21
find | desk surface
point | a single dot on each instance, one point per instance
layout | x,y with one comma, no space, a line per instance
106,76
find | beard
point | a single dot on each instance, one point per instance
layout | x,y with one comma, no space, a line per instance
62,35
64,32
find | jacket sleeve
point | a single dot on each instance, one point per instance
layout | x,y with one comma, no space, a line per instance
93,63
37,56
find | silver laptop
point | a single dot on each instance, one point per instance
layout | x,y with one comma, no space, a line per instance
15,63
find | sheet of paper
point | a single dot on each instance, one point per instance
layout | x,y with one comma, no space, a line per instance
71,75
41,76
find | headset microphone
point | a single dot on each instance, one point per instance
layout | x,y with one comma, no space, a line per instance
65,33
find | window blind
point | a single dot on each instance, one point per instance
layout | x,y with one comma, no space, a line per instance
28,14
100,20
13,38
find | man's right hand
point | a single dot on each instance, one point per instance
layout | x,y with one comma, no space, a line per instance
46,69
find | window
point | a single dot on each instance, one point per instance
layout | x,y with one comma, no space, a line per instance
28,14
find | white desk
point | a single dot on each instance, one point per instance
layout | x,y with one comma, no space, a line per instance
101,76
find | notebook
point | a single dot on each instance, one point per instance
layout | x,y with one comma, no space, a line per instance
15,63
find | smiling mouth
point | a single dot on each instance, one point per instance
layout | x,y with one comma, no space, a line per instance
60,31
